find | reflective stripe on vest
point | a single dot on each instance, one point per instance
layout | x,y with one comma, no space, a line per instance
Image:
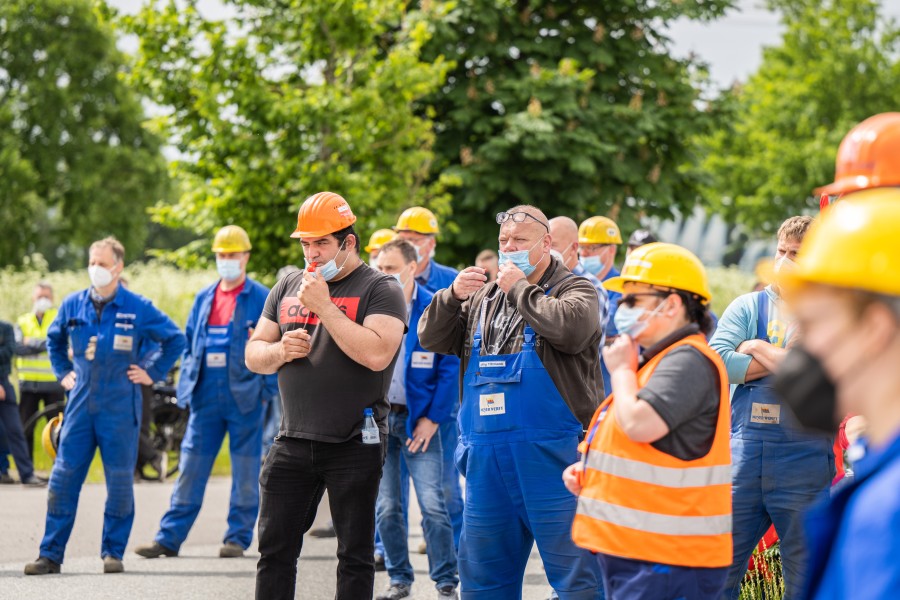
640,503
35,367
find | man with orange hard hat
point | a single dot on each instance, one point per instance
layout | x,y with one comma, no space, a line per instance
332,333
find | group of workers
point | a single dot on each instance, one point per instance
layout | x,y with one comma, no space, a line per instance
602,415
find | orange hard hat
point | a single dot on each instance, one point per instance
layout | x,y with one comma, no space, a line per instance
869,156
321,214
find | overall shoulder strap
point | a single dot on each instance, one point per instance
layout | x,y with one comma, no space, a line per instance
762,315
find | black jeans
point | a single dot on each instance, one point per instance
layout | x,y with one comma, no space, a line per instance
295,475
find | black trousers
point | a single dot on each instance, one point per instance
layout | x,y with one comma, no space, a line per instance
30,404
295,475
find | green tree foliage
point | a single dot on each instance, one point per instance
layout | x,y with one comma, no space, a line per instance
75,161
575,106
285,99
837,64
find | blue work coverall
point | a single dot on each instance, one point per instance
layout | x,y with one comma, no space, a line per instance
224,396
517,435
104,407
778,469
854,537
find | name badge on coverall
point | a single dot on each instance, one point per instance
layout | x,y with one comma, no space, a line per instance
123,343
492,404
423,360
769,414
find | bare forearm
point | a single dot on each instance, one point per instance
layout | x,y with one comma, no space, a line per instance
755,371
263,357
767,355
360,343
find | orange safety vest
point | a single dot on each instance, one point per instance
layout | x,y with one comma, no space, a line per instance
643,504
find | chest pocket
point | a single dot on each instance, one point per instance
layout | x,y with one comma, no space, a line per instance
80,333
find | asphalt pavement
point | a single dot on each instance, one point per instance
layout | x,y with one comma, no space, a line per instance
197,573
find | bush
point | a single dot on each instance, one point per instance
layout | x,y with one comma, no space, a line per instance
171,289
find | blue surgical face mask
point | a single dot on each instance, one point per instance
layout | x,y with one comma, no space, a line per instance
592,264
520,258
628,320
400,281
229,268
330,269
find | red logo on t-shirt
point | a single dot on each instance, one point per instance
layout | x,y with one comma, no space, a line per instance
292,311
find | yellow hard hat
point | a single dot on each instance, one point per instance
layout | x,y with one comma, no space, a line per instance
231,238
50,435
418,219
854,245
666,266
379,239
599,230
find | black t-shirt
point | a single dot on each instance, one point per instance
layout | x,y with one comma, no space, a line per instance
324,395
684,392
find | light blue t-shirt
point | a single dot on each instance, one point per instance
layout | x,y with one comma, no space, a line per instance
738,324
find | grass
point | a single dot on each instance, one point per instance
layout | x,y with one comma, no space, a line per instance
766,582
173,291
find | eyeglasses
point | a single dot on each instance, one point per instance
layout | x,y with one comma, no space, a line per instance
518,217
631,299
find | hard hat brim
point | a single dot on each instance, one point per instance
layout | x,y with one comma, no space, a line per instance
228,249
845,185
311,234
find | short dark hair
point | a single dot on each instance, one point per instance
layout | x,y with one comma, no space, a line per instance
344,233
486,255
406,250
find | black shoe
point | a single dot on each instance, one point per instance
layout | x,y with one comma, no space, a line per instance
448,591
112,564
42,566
324,532
379,563
154,550
35,481
6,479
395,591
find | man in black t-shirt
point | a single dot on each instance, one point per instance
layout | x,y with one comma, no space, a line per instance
332,333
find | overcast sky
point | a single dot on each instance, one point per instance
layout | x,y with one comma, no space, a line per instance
732,46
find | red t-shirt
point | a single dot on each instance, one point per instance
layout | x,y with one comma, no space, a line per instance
223,305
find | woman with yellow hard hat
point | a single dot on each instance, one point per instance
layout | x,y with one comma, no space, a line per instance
654,484
845,292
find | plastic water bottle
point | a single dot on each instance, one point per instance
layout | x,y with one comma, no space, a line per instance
370,433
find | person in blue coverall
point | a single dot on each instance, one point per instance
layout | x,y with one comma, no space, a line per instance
530,384
778,469
598,242
106,325
419,226
225,397
424,394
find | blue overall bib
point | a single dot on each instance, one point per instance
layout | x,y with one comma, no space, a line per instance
213,413
517,435
778,471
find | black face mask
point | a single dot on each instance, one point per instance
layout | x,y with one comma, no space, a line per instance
806,388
